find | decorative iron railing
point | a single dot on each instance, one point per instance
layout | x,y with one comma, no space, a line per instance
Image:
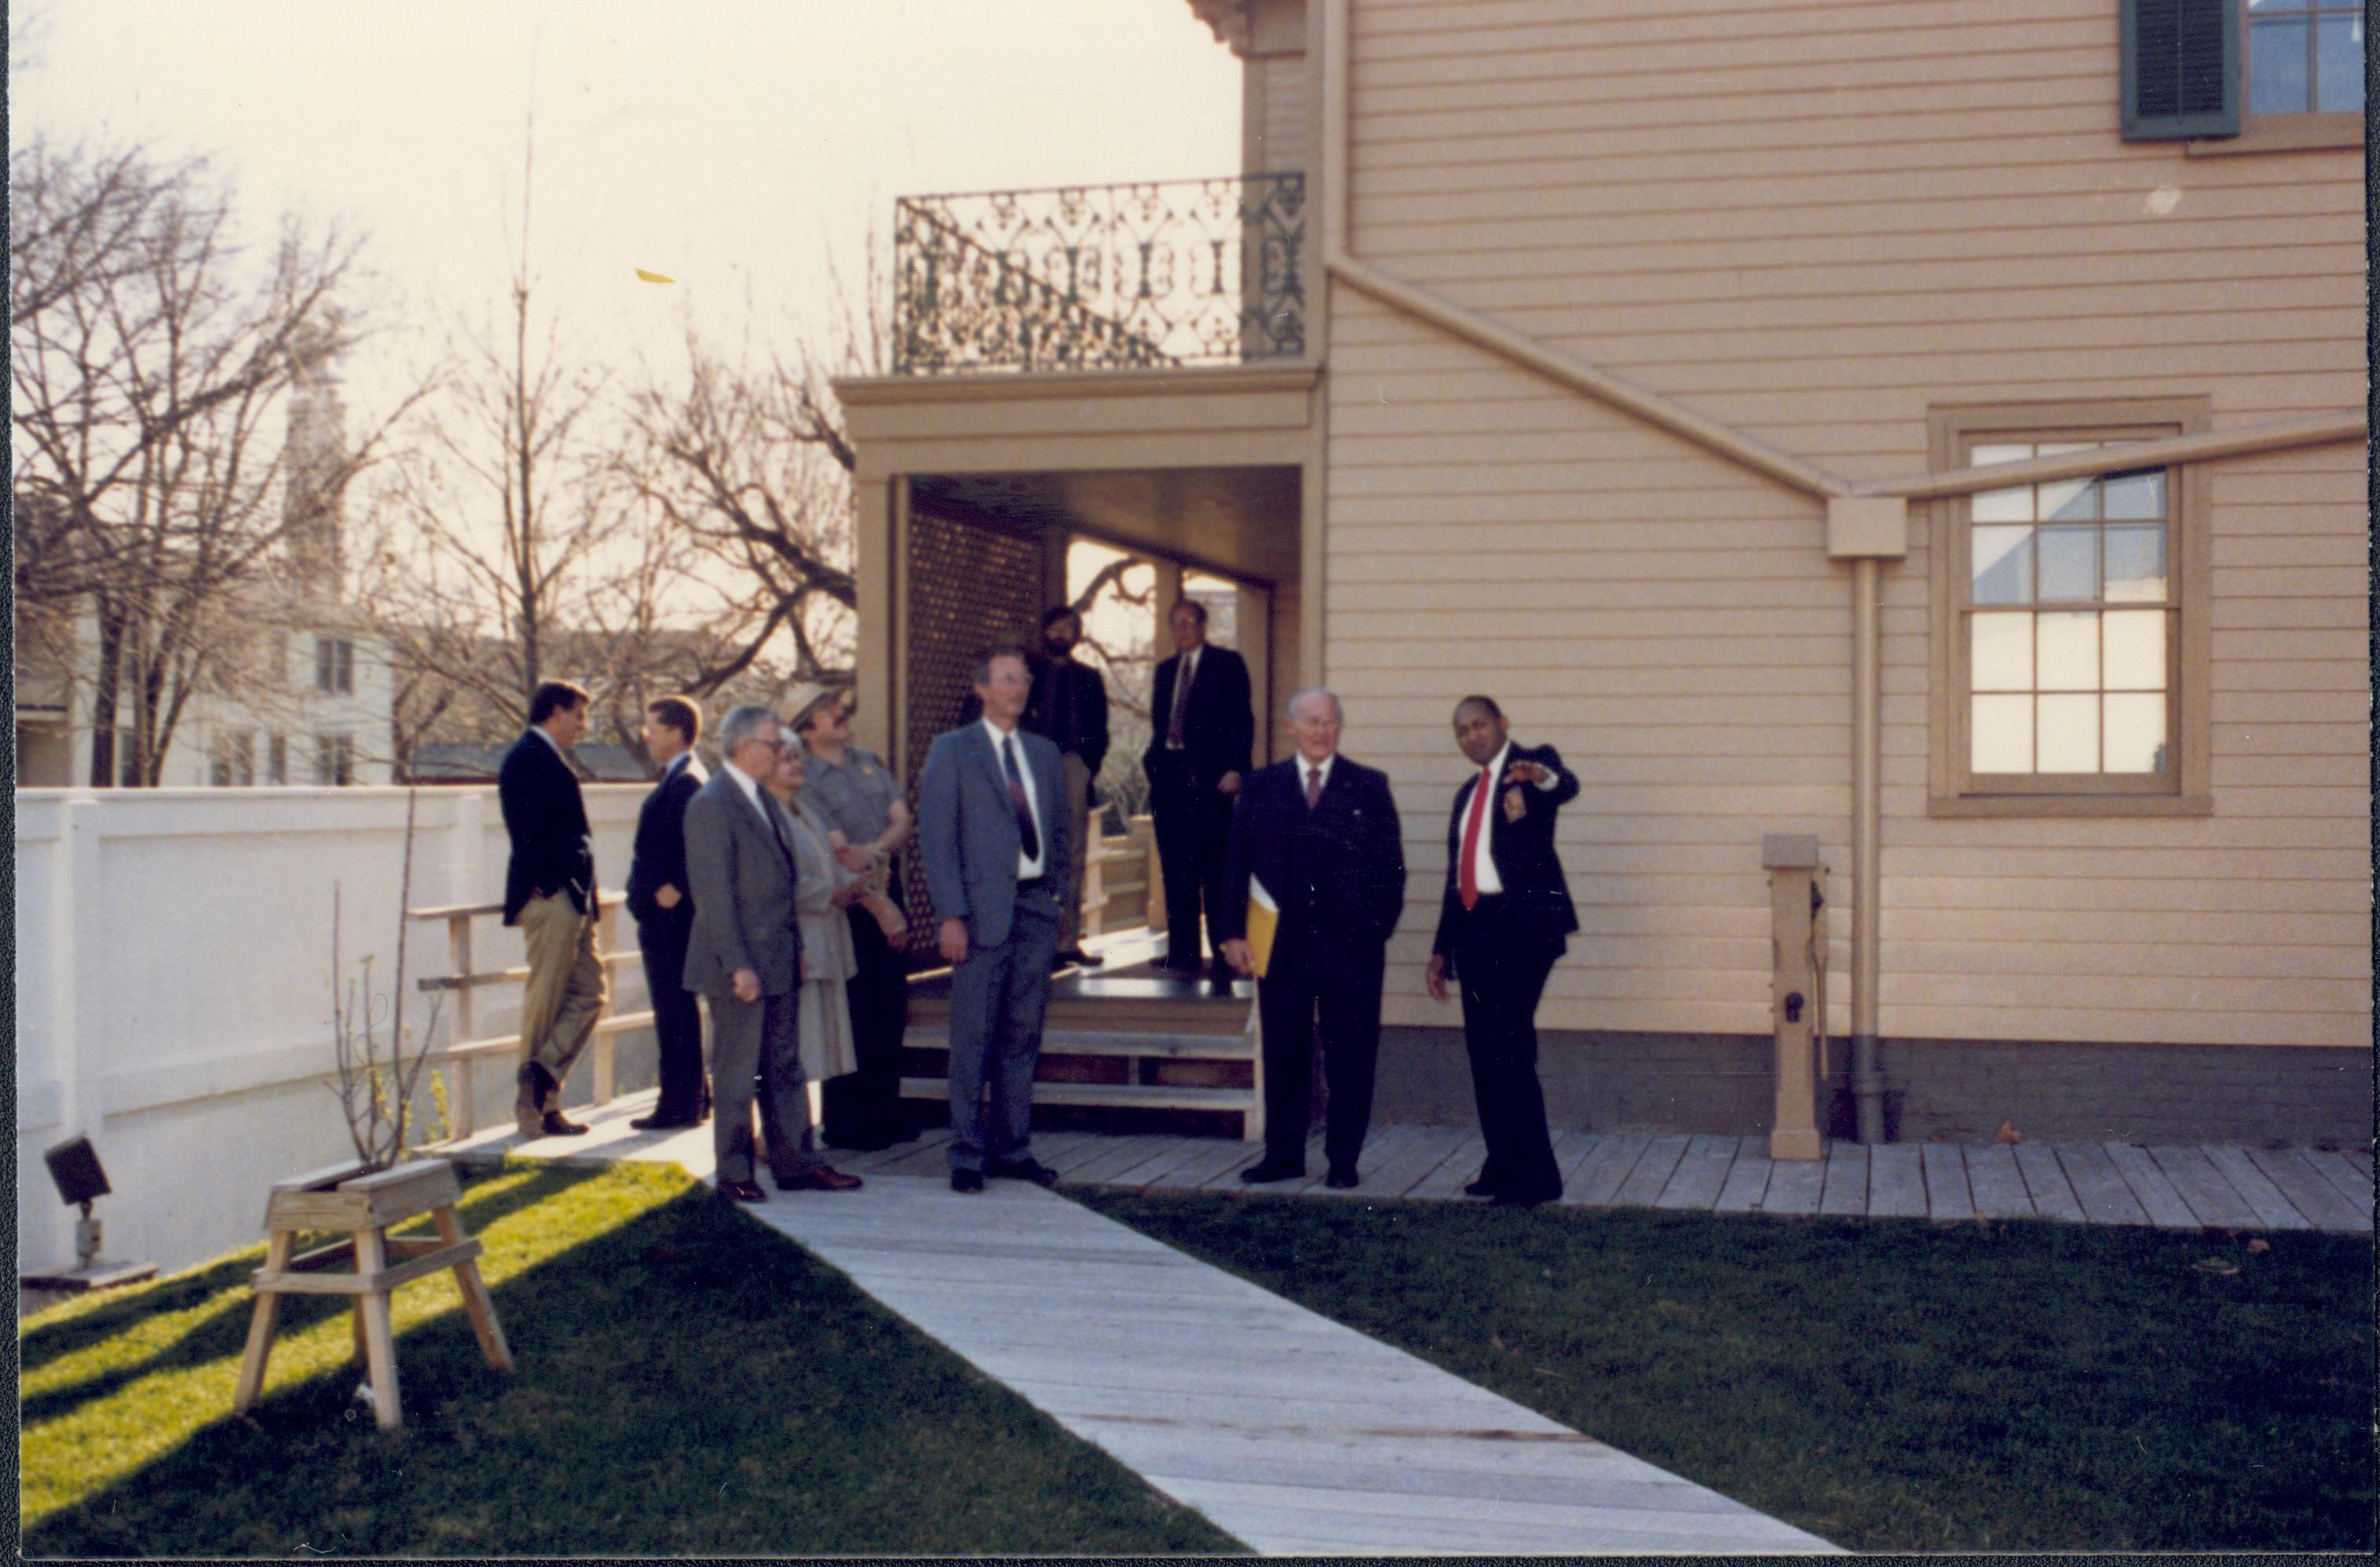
1100,277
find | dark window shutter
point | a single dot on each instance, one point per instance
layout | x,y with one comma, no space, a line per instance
2181,68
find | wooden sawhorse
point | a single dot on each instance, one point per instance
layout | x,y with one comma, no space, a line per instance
366,1207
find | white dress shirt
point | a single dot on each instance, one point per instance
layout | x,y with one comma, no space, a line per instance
1182,678
1027,866
1483,863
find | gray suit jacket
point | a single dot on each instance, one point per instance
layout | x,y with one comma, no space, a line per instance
742,887
967,828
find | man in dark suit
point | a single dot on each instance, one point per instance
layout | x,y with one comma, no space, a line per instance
1202,734
550,894
657,896
745,953
1069,707
992,824
1506,917
1320,832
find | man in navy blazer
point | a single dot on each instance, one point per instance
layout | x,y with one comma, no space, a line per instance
1319,830
1202,734
1505,918
550,894
992,827
658,896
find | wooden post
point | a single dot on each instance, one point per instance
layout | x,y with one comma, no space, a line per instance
261,1324
607,939
1143,833
1095,881
477,1303
1792,861
463,1095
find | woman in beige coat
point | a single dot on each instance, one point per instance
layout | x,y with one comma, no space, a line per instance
823,889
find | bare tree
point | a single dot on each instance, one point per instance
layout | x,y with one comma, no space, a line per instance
497,538
152,353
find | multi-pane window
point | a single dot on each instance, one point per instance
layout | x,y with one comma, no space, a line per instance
231,763
2069,621
334,758
2070,646
2305,57
335,665
276,760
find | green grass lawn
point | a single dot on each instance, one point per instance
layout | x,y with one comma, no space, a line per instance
1887,1385
689,1383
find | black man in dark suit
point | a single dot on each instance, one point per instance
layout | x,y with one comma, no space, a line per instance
1506,917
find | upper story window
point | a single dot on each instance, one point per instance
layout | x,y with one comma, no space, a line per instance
2243,75
335,665
2305,57
276,760
2068,671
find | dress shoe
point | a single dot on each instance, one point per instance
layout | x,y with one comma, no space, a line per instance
825,1178
742,1191
557,1124
1265,1170
1031,1170
656,1121
967,1180
1080,958
1342,1178
1482,1187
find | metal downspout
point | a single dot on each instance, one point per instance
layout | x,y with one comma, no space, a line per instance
1867,1078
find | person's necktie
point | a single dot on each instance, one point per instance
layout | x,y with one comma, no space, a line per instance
1177,726
1469,881
769,808
1313,787
1026,831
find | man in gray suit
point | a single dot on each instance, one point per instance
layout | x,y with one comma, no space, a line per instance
746,954
991,822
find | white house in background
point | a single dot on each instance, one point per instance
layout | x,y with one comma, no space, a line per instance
309,699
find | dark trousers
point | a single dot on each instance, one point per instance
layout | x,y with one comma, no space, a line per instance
1192,825
865,1106
1309,980
1501,975
998,997
677,1017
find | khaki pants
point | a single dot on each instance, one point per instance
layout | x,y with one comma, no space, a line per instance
1078,819
566,988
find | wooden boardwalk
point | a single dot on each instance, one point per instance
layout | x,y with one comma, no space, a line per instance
1291,1432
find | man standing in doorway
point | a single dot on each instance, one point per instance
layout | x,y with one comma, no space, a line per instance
550,894
1505,918
1319,830
1069,707
852,788
991,823
664,913
1202,735
745,953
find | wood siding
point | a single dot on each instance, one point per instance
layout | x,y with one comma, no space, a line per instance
1816,223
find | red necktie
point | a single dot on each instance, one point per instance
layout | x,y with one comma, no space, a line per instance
1469,877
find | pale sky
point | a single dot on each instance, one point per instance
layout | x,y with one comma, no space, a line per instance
730,145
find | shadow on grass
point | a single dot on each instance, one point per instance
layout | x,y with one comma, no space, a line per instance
1888,1385
212,1305
689,1383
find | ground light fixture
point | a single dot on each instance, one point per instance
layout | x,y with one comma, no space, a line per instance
81,1180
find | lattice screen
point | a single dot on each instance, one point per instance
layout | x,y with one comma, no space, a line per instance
970,588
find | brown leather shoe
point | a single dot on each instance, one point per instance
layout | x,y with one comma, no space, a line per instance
557,1125
825,1178
742,1191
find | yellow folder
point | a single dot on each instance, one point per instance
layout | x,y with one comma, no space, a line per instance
1263,918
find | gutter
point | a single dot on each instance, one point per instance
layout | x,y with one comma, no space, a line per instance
1866,524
